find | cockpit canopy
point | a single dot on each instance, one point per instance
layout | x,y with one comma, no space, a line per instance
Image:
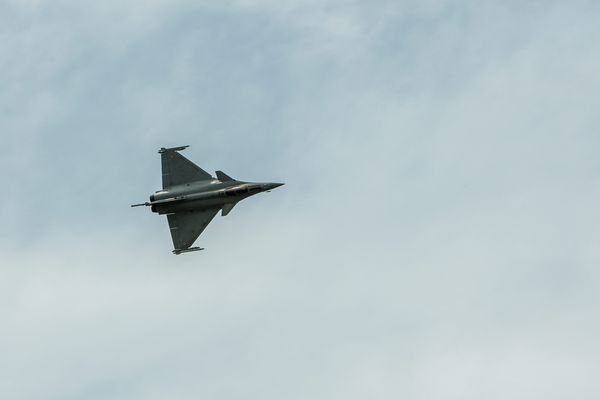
242,190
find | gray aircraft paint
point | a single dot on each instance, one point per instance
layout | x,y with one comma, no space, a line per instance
191,197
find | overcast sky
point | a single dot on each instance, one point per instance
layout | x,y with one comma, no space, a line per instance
437,237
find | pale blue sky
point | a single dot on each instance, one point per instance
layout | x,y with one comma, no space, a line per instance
437,237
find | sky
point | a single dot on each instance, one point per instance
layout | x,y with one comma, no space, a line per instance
437,236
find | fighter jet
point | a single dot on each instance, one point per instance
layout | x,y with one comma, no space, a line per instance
191,197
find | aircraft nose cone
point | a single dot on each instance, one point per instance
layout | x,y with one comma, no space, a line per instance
271,186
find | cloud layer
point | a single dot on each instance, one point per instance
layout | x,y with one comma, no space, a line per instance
437,236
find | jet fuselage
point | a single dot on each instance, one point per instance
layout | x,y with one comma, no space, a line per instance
199,196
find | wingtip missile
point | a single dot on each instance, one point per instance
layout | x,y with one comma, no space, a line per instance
178,251
164,150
